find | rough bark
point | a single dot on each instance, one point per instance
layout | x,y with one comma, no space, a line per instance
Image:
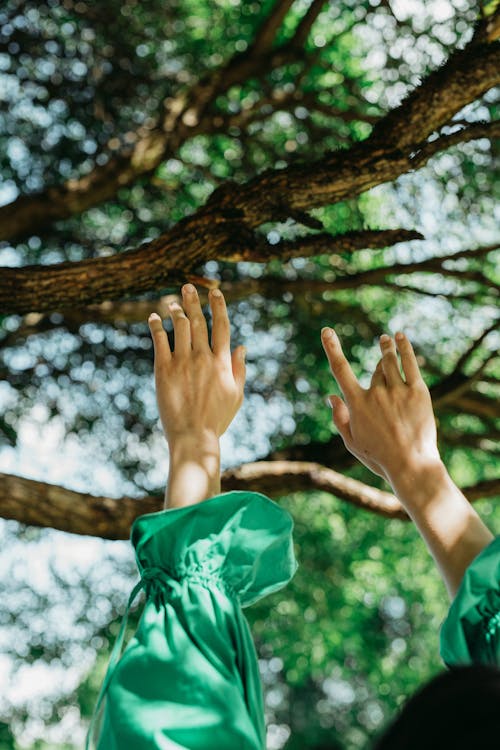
222,229
185,115
46,505
137,311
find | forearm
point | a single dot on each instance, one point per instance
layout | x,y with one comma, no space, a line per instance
448,524
194,472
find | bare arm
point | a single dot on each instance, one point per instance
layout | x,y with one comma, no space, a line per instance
199,389
194,470
390,427
449,525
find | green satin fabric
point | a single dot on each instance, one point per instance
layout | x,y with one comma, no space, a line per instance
189,678
471,632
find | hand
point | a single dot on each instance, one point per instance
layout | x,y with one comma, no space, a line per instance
199,388
390,426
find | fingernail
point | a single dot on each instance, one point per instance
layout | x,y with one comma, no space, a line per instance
327,332
216,293
154,316
189,288
384,338
400,336
328,402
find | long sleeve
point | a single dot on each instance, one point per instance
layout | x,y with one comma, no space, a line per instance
189,677
471,632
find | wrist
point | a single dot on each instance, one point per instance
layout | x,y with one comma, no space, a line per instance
418,480
194,470
194,442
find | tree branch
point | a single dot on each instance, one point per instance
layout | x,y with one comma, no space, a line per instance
183,116
152,265
473,132
472,348
116,313
305,24
41,504
425,109
224,227
478,404
266,35
310,101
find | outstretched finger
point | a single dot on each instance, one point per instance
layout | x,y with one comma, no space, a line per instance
378,377
221,331
390,364
160,339
408,359
340,367
182,331
197,322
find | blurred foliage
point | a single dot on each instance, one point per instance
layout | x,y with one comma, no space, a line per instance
355,632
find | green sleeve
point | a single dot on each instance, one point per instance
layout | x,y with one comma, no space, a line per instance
189,678
471,632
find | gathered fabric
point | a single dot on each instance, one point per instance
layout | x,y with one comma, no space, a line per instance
470,633
189,677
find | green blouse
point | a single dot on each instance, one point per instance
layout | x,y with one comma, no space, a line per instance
189,677
471,632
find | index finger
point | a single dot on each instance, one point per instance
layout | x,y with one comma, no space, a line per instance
340,367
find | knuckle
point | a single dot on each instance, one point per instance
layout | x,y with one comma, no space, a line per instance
162,368
378,392
201,356
419,388
341,366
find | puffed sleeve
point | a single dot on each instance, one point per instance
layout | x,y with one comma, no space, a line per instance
189,677
471,632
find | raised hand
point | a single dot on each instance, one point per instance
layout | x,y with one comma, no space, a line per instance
199,387
389,426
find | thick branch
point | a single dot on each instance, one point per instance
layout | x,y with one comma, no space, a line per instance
40,504
137,311
228,219
185,115
69,284
425,109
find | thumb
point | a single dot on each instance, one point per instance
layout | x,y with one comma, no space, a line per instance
238,365
341,417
